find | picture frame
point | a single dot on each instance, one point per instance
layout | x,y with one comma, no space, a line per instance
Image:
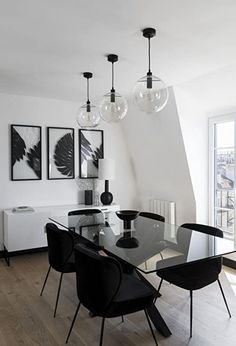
60,153
91,148
26,152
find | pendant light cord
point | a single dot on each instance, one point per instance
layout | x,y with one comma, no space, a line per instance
112,77
149,56
88,90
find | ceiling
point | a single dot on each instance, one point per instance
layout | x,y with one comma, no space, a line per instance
47,44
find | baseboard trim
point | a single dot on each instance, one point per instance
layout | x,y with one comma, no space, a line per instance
23,252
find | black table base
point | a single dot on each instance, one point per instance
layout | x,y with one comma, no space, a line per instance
158,321
153,312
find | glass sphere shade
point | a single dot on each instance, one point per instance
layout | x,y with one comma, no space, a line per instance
113,112
88,119
151,100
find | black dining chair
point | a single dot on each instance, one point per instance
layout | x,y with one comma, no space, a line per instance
86,217
193,276
156,217
60,255
86,211
105,290
81,219
152,216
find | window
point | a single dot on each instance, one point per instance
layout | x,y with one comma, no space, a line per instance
222,174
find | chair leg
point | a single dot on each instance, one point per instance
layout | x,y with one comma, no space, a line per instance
122,319
159,287
73,322
161,255
191,313
58,294
157,294
150,326
145,265
102,329
45,280
224,297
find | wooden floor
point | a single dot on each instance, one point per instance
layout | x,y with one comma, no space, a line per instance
27,319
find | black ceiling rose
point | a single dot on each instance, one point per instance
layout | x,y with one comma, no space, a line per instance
88,75
149,32
112,58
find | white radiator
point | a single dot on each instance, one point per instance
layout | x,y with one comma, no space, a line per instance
164,208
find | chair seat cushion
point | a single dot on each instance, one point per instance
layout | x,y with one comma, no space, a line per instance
133,295
192,276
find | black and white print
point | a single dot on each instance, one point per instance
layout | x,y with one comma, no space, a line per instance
90,150
60,153
26,152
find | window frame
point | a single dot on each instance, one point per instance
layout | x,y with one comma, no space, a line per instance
211,156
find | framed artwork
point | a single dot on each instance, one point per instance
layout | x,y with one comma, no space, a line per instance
60,143
90,150
26,160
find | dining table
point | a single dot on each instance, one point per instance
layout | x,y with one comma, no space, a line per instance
145,245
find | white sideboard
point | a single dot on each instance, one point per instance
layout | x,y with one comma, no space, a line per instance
25,230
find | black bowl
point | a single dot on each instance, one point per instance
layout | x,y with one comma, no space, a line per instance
127,216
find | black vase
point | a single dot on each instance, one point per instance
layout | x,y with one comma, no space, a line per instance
88,197
106,196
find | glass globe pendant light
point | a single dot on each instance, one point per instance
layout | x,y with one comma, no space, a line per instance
88,115
113,107
150,92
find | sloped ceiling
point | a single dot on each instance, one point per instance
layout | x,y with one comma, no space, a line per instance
46,44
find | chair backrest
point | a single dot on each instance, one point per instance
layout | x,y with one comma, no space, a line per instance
84,218
204,229
98,279
152,216
60,246
181,238
84,212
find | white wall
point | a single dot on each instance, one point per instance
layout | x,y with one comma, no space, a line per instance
159,159
198,100
46,112
194,125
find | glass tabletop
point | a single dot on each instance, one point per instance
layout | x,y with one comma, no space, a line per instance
148,245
